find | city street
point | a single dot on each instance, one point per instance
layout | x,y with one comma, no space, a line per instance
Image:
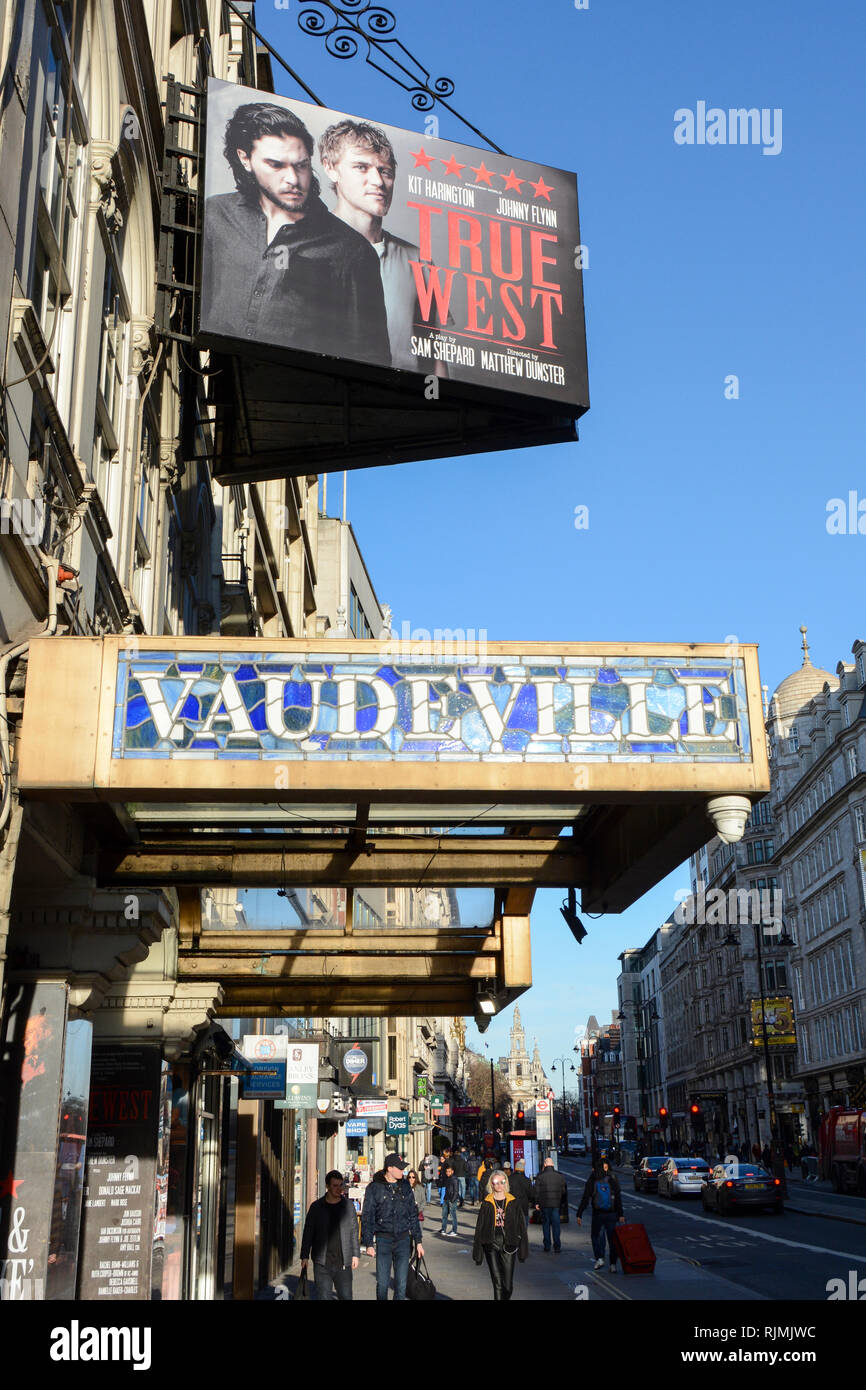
700,1257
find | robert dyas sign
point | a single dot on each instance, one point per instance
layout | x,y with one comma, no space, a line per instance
335,235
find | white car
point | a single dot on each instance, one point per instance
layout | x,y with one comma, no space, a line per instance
575,1143
683,1177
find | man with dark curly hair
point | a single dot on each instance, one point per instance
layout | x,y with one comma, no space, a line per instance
278,267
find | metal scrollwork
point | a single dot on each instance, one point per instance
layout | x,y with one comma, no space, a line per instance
359,25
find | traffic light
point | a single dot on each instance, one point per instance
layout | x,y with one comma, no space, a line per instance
616,1112
520,1116
497,1117
663,1116
697,1116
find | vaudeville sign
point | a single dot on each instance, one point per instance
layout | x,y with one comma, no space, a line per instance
332,243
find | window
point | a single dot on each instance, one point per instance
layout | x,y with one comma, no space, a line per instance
392,1058
61,149
357,621
852,761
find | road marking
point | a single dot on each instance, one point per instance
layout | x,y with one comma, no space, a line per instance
764,1235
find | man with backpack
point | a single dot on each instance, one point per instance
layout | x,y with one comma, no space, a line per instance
603,1191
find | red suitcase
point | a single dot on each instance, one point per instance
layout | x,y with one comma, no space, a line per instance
634,1249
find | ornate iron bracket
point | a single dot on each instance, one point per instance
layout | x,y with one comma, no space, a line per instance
360,26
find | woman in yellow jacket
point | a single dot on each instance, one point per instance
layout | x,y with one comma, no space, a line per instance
500,1235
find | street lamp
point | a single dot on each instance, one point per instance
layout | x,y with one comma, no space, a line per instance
562,1064
784,940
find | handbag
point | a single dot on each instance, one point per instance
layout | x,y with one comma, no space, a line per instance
302,1288
419,1285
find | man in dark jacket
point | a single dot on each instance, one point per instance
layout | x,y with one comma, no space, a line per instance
550,1188
522,1189
331,1235
603,1191
450,1200
458,1163
390,1217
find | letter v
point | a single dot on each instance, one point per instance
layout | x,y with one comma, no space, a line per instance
164,721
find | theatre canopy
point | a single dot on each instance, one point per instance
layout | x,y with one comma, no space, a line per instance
614,754
376,295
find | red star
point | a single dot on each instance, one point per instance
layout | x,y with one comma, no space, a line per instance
512,181
482,175
542,189
9,1186
421,158
452,167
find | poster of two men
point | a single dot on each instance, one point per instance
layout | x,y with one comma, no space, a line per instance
332,235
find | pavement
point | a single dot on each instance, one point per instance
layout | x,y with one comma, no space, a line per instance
568,1276
819,1199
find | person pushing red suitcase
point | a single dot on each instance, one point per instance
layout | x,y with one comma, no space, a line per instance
603,1191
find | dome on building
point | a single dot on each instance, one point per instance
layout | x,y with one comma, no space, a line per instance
801,686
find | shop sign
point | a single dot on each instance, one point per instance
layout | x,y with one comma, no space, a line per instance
264,1047
778,1020
417,1120
436,1101
467,1110
357,1129
264,1081
373,1109
397,1122
421,1087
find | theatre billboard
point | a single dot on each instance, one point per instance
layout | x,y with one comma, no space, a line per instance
338,247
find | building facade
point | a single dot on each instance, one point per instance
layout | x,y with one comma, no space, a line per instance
524,1073
817,730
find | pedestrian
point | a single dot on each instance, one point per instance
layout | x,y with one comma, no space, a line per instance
471,1178
450,1200
767,1157
602,1190
491,1166
500,1234
390,1218
441,1179
331,1236
521,1189
417,1191
459,1165
756,1153
550,1188
429,1169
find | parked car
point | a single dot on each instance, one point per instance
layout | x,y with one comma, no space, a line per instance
682,1177
734,1186
646,1175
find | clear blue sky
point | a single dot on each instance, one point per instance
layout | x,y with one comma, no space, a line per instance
707,516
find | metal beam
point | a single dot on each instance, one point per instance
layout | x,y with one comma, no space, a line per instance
392,861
